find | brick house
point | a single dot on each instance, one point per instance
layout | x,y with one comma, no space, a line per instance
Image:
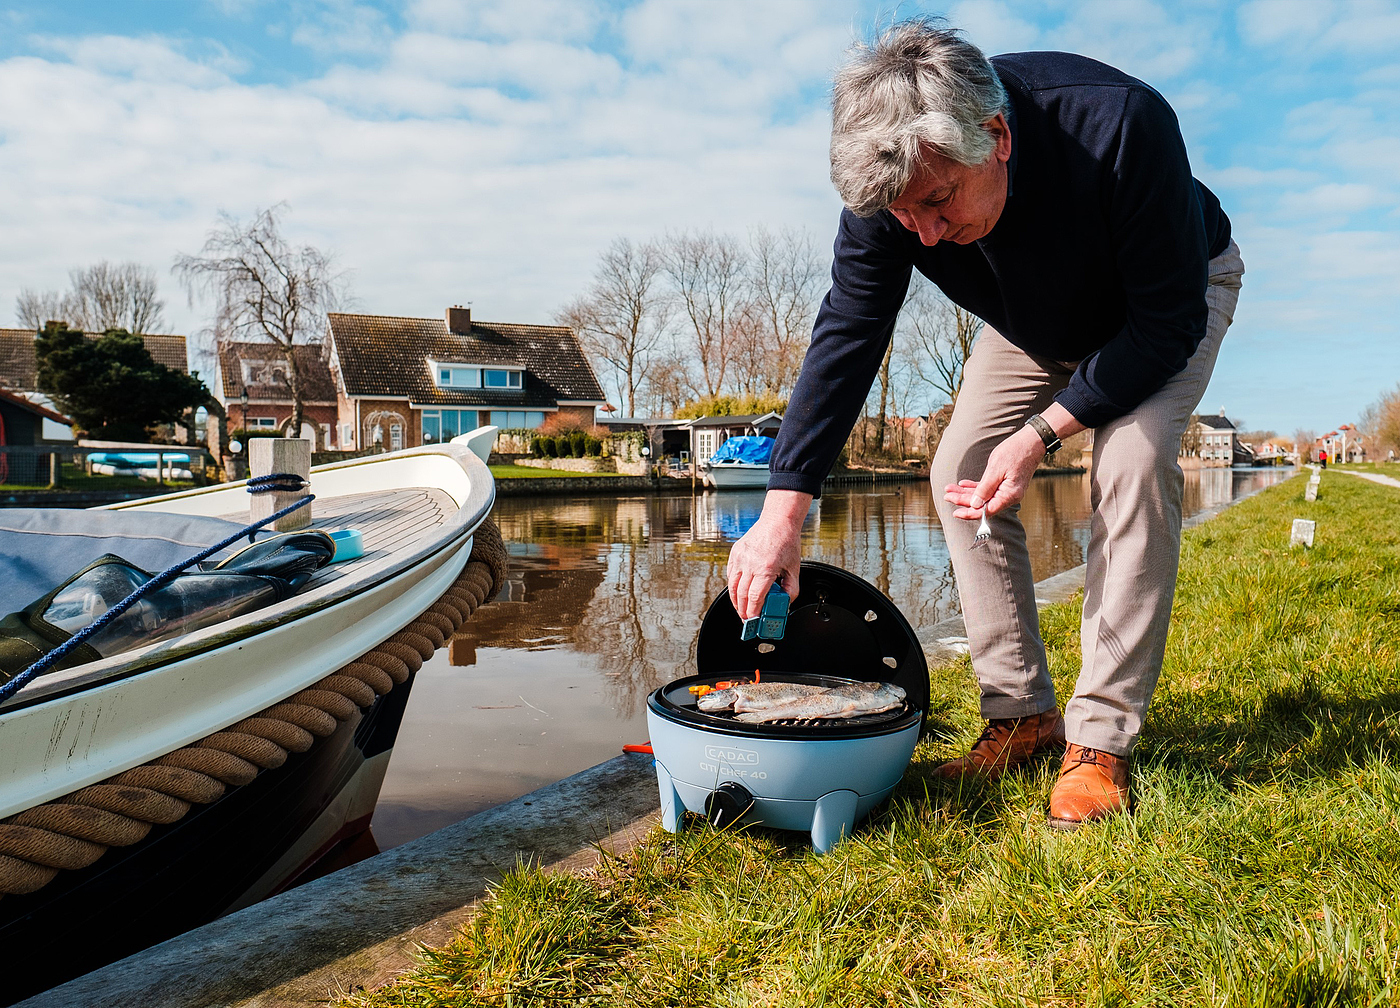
260,371
404,382
1219,440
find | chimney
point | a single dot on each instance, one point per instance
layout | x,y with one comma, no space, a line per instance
459,320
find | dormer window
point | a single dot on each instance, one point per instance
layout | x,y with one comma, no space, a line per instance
475,377
451,376
500,378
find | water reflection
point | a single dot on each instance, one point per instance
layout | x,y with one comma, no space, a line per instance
602,606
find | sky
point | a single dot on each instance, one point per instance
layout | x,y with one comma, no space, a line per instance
486,151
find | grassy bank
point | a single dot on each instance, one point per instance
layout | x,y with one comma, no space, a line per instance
530,472
74,478
1262,869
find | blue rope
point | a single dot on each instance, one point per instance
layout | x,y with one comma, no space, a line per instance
285,482
159,581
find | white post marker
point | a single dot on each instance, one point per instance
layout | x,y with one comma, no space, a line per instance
1303,529
1310,493
268,455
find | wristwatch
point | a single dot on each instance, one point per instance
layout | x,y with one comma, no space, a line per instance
1047,434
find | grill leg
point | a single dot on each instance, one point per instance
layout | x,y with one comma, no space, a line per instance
672,808
833,819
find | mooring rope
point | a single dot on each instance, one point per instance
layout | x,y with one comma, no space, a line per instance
74,831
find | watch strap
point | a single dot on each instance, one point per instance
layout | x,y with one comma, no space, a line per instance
1047,433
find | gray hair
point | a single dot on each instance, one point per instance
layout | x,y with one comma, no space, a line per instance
918,87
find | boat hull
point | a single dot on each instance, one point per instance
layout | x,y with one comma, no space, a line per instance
244,847
736,475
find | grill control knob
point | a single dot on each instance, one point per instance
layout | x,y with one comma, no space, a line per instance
726,803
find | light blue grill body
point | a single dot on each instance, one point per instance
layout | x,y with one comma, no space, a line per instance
820,786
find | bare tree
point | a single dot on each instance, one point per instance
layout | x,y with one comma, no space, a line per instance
1303,441
100,297
624,315
1380,423
265,290
707,273
786,279
942,333
35,309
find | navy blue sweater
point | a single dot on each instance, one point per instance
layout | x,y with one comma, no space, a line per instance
1099,256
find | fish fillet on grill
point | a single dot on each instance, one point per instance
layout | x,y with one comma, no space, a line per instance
754,696
849,701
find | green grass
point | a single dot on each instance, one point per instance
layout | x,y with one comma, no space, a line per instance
1261,870
530,472
1391,469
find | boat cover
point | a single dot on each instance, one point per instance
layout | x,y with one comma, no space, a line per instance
40,548
754,450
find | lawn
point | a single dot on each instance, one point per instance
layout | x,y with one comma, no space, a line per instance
1261,869
75,478
530,472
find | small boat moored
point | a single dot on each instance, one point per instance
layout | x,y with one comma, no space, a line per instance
150,790
741,462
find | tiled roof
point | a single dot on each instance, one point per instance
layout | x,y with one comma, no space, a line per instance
382,355
1215,421
18,362
33,407
738,420
267,382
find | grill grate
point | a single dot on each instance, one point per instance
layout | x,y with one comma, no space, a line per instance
816,724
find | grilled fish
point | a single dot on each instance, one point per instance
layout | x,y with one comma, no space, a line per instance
838,702
755,696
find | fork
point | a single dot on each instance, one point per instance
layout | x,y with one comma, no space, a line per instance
984,533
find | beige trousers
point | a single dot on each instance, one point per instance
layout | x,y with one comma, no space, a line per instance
1134,539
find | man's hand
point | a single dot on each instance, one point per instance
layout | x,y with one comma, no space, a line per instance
1009,469
1004,481
770,551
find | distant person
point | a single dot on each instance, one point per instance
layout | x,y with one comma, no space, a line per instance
1050,195
1322,457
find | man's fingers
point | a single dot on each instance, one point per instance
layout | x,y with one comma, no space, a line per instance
790,583
757,591
986,490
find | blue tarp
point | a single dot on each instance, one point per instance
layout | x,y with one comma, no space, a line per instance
755,450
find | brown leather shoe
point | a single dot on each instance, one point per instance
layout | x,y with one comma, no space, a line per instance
1093,784
1008,743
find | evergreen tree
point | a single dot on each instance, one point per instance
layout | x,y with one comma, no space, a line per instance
110,386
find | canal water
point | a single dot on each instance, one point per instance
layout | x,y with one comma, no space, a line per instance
603,603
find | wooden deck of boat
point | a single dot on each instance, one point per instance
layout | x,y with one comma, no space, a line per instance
389,520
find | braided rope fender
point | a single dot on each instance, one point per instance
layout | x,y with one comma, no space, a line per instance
74,831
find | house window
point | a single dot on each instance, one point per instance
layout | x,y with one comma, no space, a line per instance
347,435
440,426
492,378
451,376
517,419
395,437
260,421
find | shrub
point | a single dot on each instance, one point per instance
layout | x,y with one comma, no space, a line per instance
550,446
578,444
537,447
593,446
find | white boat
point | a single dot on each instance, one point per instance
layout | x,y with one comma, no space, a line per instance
420,511
740,463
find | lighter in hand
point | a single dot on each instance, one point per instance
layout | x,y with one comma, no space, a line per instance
771,622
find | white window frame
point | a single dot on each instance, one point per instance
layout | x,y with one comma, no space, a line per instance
515,377
457,375
259,423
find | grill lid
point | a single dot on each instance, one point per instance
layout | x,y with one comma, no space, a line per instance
839,626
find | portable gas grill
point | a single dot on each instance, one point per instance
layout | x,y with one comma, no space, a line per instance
817,775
